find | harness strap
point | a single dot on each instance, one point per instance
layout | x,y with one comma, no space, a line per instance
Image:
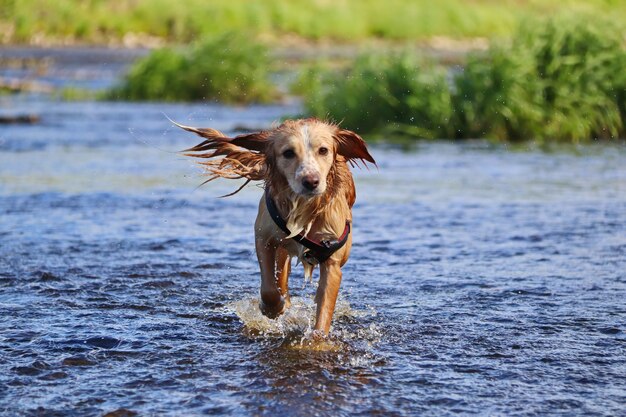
322,250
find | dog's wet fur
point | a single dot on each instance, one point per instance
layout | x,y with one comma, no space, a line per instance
304,166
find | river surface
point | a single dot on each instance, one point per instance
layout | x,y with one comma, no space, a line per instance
482,281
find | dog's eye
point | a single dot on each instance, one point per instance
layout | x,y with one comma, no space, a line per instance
289,153
323,151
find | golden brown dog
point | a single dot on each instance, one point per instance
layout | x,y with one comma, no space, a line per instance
307,208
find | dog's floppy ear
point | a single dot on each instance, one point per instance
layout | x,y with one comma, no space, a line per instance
352,147
214,139
243,156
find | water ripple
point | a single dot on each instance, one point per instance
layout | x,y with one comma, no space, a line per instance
124,291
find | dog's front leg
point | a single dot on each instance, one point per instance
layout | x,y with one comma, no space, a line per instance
272,302
283,269
326,296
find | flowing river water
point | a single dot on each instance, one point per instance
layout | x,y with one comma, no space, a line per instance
482,281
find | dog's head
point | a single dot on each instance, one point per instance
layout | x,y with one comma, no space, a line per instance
302,152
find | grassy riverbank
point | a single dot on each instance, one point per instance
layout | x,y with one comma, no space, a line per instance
227,68
558,79
561,79
151,22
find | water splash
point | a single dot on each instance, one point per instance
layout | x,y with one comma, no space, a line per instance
298,319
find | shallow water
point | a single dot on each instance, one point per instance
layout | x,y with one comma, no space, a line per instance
482,280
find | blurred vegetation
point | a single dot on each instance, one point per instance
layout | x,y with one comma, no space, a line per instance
390,93
229,68
77,94
560,79
104,22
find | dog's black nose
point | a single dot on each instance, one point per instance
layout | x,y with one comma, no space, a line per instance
310,182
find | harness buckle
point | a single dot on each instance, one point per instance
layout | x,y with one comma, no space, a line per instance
329,243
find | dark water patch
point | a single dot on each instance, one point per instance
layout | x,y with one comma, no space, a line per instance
53,376
33,369
121,412
168,244
104,342
609,330
47,276
78,360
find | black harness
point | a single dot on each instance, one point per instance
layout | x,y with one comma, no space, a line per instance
317,251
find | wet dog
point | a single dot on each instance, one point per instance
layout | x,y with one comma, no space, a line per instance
306,211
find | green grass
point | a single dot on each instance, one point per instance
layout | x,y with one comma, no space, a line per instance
389,93
77,94
102,21
228,68
561,79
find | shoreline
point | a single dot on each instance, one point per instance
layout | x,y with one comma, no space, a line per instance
441,49
49,68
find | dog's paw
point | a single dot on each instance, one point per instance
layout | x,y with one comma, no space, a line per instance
318,341
318,336
273,311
